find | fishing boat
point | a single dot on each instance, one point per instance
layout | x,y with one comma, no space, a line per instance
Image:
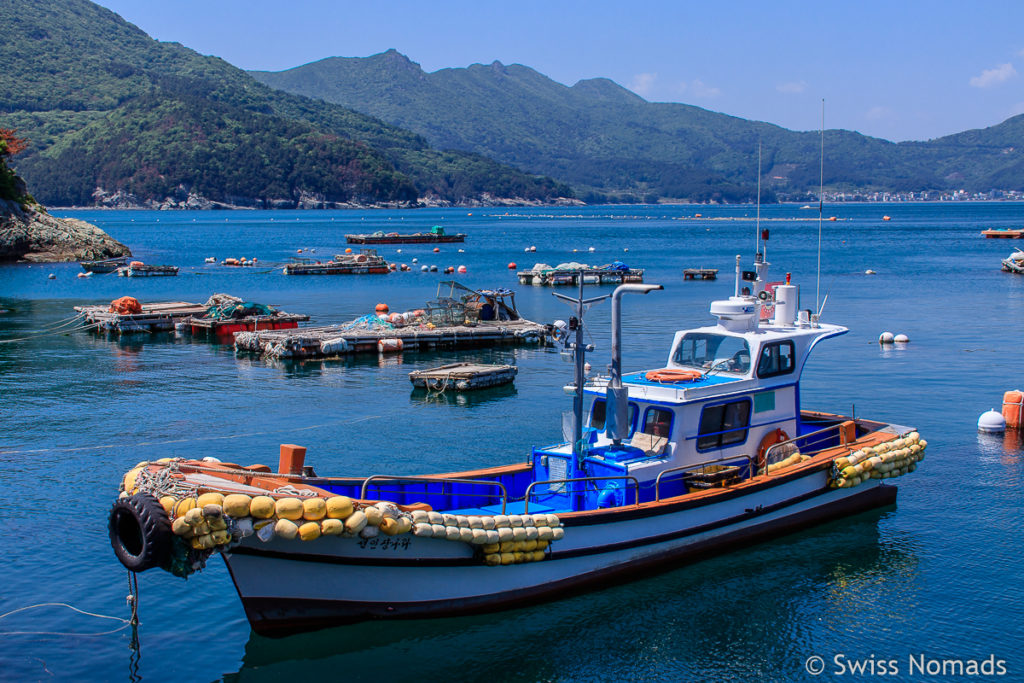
1014,263
659,467
435,236
105,266
366,262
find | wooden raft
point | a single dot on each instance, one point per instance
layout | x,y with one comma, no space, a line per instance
463,376
700,274
326,342
155,317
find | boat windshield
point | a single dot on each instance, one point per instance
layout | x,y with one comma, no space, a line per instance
707,351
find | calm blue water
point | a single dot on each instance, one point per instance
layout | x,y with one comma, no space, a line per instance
939,575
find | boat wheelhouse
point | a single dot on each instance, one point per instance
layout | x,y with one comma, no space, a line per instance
673,464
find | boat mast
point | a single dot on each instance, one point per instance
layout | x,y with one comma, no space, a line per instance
821,199
579,350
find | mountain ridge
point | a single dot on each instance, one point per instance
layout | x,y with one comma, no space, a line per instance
110,111
602,137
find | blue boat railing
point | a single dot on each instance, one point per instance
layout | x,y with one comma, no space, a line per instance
529,489
443,481
700,465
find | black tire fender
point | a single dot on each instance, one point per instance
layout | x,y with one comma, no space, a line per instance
140,532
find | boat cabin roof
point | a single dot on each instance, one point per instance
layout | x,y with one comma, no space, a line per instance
728,361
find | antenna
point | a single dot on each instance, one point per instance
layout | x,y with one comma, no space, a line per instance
821,199
757,225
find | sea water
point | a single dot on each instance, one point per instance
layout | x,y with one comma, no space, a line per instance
897,590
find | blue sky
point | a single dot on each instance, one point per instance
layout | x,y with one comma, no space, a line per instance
896,70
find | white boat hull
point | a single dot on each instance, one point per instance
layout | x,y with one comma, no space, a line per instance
288,586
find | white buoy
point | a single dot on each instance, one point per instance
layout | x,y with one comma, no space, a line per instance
869,272
415,260
532,248
590,249
52,276
992,422
424,269
886,338
901,339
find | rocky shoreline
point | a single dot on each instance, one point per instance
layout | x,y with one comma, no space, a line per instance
28,233
192,201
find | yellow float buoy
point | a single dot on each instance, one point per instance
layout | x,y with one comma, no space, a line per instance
285,528
314,509
356,522
194,517
262,507
388,526
373,516
340,507
237,505
288,508
180,527
309,531
168,503
332,527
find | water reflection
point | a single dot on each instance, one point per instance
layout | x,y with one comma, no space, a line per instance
452,396
740,616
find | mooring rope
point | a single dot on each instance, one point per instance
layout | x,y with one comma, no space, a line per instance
125,623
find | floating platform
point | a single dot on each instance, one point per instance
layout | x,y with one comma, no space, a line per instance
142,270
335,340
554,278
366,262
700,274
463,376
155,317
228,327
1006,233
436,235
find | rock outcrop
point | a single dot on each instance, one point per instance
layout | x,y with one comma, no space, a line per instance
28,233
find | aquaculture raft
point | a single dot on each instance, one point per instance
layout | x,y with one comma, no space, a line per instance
135,269
700,274
225,315
435,235
463,376
591,276
366,262
334,340
1004,233
155,317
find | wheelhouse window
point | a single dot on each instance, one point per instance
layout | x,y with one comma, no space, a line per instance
657,422
777,358
723,425
709,351
599,415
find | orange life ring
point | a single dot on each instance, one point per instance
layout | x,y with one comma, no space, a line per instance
673,375
770,439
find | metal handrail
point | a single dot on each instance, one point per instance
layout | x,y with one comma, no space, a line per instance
780,444
529,489
657,482
442,480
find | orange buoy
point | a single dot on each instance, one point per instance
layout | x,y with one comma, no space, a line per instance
437,249
348,250
832,218
1013,409
673,375
770,439
382,308
298,251
512,266
886,218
